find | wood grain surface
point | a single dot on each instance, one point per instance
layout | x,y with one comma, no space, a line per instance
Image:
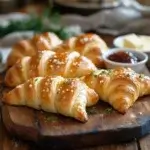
52,130
36,126
125,146
10,143
144,143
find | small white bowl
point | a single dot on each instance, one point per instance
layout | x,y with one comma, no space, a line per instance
138,67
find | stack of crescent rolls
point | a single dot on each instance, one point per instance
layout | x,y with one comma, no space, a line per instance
65,77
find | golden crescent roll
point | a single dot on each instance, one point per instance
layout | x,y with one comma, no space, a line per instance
89,45
44,41
68,97
47,63
119,87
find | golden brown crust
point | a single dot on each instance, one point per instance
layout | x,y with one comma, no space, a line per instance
44,41
89,45
68,97
119,87
49,63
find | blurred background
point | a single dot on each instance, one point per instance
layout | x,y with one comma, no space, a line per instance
83,6
70,17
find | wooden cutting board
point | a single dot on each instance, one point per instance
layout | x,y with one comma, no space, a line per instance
9,143
105,125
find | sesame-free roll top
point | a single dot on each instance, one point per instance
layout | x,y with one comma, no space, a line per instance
68,97
68,64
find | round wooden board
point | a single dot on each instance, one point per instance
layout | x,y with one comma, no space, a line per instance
105,126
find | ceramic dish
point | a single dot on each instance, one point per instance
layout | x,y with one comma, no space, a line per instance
137,66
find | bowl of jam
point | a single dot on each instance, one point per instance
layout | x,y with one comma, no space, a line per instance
125,58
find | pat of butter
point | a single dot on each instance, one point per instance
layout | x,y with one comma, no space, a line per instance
132,41
146,42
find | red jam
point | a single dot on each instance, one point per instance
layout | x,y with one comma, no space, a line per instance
123,57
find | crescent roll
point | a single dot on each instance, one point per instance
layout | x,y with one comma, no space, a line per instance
47,63
68,97
119,87
89,45
44,41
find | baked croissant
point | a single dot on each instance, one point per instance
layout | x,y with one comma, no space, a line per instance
30,47
68,97
49,63
119,87
89,45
